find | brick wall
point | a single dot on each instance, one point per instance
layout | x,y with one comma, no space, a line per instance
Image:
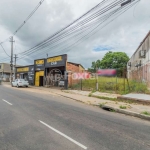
141,74
73,68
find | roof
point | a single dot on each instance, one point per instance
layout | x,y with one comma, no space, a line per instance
76,64
5,63
141,43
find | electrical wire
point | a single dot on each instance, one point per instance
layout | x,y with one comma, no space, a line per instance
4,50
56,38
109,22
120,1
25,21
52,36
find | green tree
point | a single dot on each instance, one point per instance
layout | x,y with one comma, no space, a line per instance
95,66
115,60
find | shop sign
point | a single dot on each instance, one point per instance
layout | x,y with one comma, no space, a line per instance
54,59
39,62
26,69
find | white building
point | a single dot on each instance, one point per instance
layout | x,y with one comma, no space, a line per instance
138,67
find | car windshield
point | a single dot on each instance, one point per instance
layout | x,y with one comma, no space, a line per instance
21,80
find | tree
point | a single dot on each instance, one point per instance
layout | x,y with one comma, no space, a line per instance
95,66
115,60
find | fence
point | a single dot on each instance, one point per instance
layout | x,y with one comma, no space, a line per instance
109,84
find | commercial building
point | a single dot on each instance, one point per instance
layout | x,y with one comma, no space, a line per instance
26,72
138,67
49,72
5,71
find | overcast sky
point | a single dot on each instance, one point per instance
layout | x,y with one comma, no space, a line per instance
124,34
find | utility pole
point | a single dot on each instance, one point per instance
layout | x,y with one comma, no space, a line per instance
15,66
11,61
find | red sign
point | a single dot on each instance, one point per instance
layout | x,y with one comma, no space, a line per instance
106,72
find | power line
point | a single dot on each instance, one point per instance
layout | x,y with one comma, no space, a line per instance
97,27
4,50
52,37
58,38
62,34
25,21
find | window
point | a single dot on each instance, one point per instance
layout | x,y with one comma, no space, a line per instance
0,67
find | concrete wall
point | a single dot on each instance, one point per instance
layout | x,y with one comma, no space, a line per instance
5,68
5,71
140,73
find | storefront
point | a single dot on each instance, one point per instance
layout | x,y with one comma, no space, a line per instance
26,72
39,66
50,72
55,68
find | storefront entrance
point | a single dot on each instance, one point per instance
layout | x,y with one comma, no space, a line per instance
39,77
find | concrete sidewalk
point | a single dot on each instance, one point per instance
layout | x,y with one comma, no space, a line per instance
132,109
145,97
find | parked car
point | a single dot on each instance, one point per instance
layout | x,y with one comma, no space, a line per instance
20,83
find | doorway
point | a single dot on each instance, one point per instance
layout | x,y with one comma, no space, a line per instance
39,78
41,81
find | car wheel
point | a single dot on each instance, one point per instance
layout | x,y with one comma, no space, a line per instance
17,86
26,86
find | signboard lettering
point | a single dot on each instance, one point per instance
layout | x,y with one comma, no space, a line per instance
54,63
39,62
54,59
26,69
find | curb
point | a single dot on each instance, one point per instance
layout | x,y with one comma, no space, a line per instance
136,100
60,95
127,112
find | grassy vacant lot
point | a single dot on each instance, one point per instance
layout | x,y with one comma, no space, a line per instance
112,84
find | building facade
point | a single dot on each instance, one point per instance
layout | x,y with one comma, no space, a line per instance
48,72
138,67
5,71
26,72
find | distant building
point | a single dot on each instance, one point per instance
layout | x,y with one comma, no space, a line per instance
5,71
138,67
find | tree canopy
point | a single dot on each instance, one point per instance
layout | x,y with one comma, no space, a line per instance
114,60
111,60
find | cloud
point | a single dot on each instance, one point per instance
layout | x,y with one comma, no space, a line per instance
123,34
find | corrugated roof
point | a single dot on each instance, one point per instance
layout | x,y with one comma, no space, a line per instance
76,64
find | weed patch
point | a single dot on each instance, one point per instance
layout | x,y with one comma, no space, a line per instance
123,107
146,113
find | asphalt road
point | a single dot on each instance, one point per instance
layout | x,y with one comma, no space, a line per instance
36,120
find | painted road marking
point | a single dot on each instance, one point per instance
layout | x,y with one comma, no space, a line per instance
7,102
62,134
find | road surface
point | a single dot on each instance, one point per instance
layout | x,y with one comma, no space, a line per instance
37,120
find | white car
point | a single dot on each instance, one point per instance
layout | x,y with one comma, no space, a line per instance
20,83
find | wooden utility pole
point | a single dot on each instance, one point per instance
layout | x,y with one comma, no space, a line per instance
11,61
15,66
